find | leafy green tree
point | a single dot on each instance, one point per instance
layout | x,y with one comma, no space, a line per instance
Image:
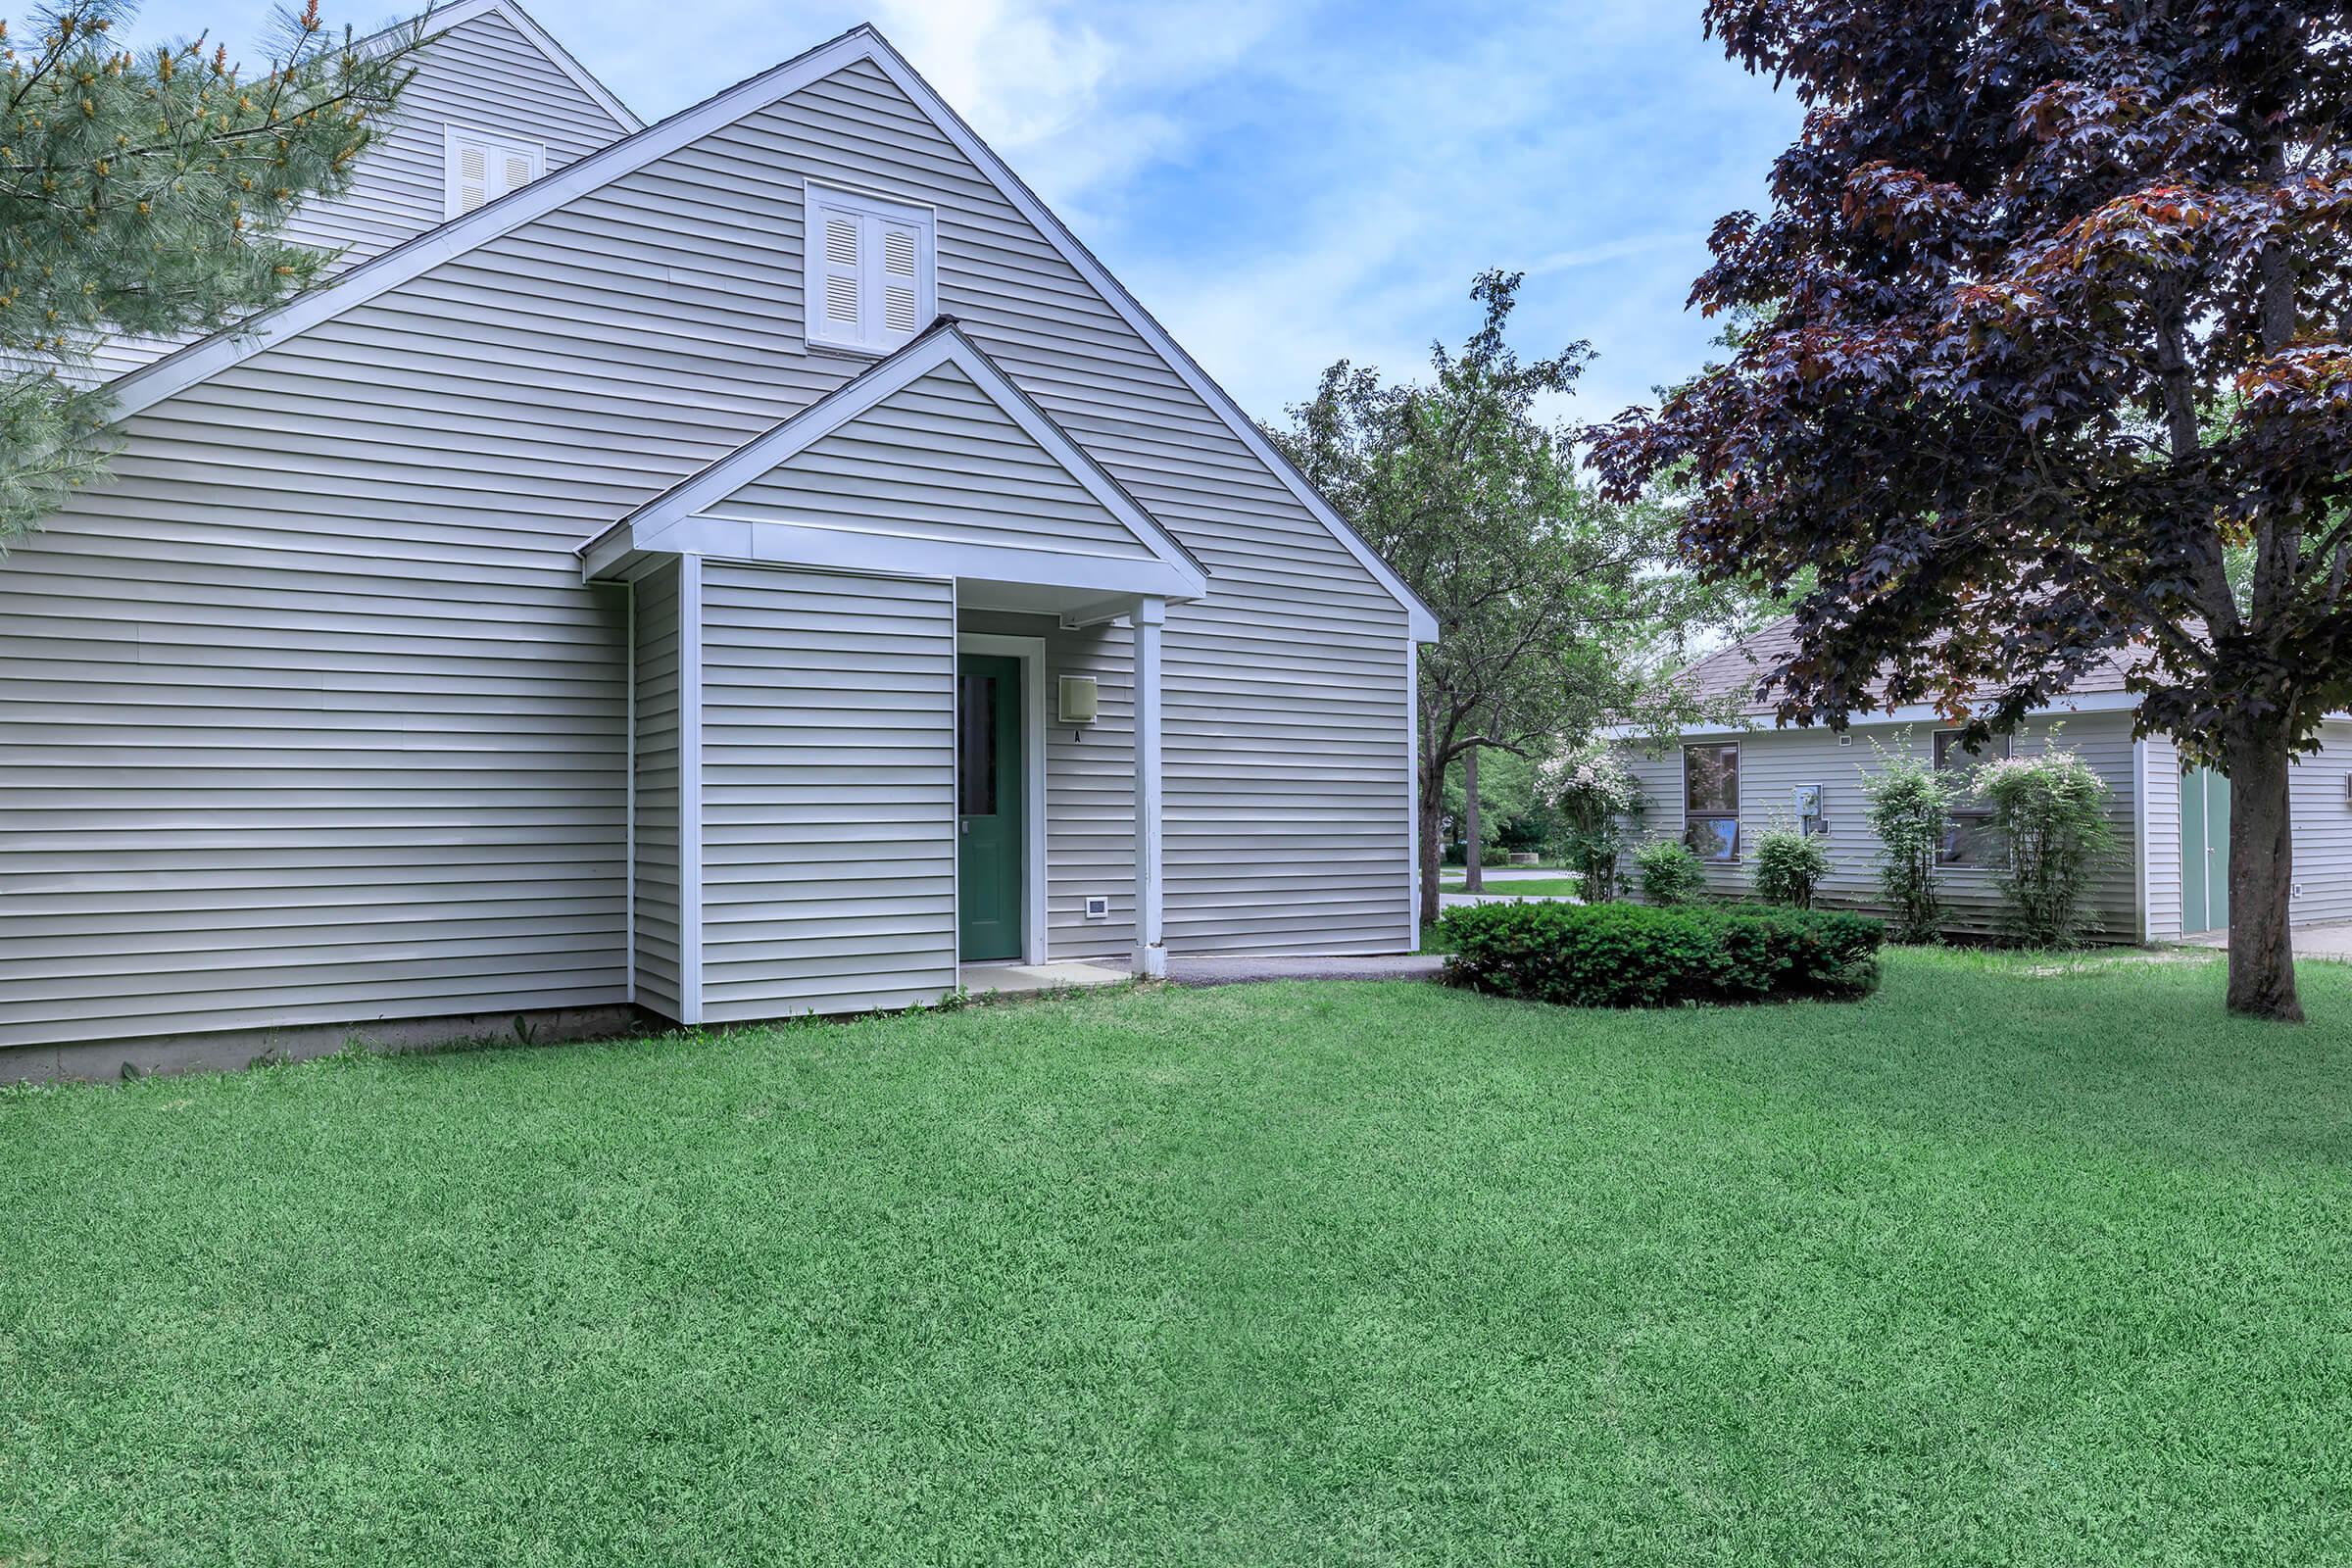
2046,366
143,191
1556,610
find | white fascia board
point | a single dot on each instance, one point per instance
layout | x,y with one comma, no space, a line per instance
174,372
1915,713
1422,622
562,58
766,543
655,525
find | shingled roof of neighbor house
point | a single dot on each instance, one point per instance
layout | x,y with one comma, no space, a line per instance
1737,670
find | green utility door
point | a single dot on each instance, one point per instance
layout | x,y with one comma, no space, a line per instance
989,778
2204,851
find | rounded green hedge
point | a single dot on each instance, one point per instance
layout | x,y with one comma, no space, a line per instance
1630,956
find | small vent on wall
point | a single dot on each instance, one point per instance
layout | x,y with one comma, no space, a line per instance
1080,698
1097,908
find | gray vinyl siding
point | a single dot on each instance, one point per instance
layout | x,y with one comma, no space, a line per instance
2323,820
937,461
350,716
1287,737
483,75
829,793
2162,849
1773,763
655,704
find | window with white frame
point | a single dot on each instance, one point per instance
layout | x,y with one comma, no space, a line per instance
868,267
478,170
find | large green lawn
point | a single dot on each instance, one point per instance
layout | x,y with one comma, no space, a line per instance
2006,1265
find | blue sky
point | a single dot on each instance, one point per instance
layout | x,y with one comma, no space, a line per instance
1286,185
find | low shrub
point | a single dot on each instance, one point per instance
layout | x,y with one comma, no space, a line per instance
1628,956
1670,873
1790,865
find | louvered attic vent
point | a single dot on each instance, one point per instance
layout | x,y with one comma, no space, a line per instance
478,170
870,270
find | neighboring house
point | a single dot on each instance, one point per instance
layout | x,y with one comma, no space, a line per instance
749,569
1726,783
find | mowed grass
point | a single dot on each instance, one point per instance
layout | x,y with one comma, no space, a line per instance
2014,1263
1521,887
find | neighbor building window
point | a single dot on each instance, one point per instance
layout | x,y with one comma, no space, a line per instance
478,170
1711,801
869,268
1963,840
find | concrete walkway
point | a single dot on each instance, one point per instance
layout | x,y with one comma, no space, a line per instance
2311,941
1023,979
1210,972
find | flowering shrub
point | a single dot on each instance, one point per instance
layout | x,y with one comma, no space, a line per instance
2051,813
1910,811
1670,873
1788,865
1599,801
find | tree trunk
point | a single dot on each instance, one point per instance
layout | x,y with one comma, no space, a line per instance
1474,875
1432,849
1432,816
2262,875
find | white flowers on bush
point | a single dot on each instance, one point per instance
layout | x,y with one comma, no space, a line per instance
2051,813
1593,777
1594,792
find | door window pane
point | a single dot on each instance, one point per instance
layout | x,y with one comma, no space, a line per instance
976,745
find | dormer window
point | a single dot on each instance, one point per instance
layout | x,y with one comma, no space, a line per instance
480,168
869,270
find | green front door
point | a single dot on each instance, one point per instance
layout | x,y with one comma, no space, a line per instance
989,779
2204,851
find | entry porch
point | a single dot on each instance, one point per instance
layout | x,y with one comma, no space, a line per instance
896,705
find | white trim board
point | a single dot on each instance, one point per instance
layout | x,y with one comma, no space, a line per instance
174,372
690,790
1031,651
1914,713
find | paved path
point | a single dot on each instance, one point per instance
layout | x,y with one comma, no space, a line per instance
1197,971
2311,941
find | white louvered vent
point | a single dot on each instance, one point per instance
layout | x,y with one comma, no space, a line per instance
480,168
901,311
841,240
474,176
869,266
841,300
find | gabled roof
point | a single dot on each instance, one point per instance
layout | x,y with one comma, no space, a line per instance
444,19
1167,568
151,384
1736,671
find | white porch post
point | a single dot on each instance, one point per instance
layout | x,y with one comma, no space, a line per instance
1150,942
